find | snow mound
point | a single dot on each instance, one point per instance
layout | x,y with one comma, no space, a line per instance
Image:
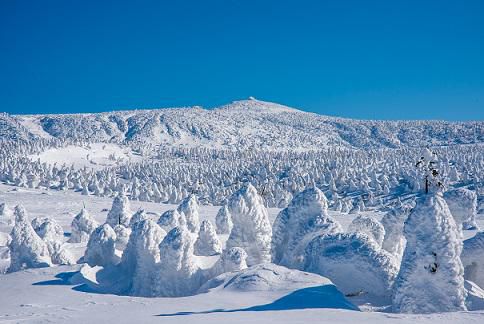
252,230
295,226
353,261
370,226
475,296
300,289
463,206
431,277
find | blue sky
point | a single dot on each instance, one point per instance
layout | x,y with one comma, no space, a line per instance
362,59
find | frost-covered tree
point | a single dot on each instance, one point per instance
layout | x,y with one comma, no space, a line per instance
233,259
82,226
370,226
140,258
188,208
139,216
5,214
295,226
178,275
431,277
353,261
223,220
171,219
120,213
100,249
394,240
122,236
27,249
252,230
463,206
207,243
473,259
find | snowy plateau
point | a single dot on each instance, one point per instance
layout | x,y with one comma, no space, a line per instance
252,212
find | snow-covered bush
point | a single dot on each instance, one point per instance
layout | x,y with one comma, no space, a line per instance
120,213
177,275
473,259
82,226
463,206
27,249
207,242
171,219
223,221
188,208
140,258
353,261
100,249
252,230
431,277
370,226
295,226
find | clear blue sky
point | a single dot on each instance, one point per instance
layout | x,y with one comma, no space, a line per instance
363,59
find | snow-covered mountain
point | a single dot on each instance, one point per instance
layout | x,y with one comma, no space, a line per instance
243,124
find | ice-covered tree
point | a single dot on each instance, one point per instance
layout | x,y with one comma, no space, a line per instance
207,243
171,219
370,226
297,224
473,259
5,214
223,220
100,249
139,216
394,240
252,230
27,249
120,213
462,203
82,226
188,208
431,277
122,236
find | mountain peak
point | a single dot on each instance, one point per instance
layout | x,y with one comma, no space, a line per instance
253,104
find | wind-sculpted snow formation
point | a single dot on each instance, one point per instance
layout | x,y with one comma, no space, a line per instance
251,230
295,226
431,277
82,226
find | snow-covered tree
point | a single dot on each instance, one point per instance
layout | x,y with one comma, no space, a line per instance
171,219
5,214
473,259
252,230
370,226
463,206
122,236
223,221
100,249
394,240
82,226
295,226
188,208
139,216
207,243
27,249
120,213
431,277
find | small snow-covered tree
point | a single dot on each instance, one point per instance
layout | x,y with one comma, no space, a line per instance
120,213
252,230
188,208
207,243
82,226
139,216
223,220
171,219
5,214
27,249
463,206
100,249
370,226
122,236
394,240
295,226
233,259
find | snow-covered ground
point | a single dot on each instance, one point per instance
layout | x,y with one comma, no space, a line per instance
57,294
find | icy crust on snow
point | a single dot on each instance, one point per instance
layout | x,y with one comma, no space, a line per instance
473,259
462,203
27,249
353,261
431,277
252,230
295,226
370,226
307,290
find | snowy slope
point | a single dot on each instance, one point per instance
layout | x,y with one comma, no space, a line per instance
242,124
